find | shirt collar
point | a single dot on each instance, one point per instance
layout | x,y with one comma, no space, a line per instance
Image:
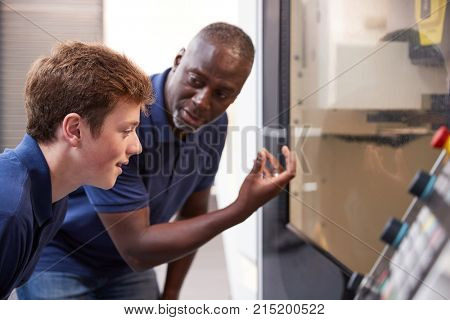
31,156
158,113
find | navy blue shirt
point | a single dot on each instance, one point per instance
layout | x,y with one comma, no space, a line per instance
28,220
162,177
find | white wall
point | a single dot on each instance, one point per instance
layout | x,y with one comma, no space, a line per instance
241,242
151,32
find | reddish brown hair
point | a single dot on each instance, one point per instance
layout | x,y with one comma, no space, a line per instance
87,79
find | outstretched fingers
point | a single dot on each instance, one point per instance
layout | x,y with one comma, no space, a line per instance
276,167
259,164
277,174
291,167
291,161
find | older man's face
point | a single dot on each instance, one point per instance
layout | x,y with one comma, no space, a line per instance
206,79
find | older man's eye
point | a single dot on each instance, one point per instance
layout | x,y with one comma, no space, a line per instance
194,81
222,95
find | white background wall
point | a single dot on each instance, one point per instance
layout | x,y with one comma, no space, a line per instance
151,32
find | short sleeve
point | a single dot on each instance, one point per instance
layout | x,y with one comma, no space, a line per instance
128,194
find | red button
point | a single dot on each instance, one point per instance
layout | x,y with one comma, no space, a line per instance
440,137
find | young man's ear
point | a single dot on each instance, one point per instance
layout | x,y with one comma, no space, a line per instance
71,129
178,57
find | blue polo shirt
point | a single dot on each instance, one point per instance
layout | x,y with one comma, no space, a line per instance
163,176
28,220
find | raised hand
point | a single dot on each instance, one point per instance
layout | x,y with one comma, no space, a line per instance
264,183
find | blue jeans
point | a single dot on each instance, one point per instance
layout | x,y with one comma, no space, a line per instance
67,286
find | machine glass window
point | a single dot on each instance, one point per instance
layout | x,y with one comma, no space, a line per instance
368,87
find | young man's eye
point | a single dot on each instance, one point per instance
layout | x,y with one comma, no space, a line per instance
127,132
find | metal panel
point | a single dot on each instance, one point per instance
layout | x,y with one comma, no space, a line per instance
29,29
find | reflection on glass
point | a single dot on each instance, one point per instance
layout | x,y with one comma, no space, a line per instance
368,87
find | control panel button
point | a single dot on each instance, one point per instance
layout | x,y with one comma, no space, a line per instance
422,185
440,137
394,232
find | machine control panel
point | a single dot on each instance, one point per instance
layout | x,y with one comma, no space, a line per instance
415,263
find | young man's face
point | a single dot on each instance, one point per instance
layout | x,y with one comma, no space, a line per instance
118,141
204,81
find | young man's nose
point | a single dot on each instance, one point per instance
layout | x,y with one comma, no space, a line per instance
135,146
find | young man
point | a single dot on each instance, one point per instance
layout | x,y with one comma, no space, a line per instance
83,104
182,142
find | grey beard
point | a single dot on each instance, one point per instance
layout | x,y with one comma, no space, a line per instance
180,124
